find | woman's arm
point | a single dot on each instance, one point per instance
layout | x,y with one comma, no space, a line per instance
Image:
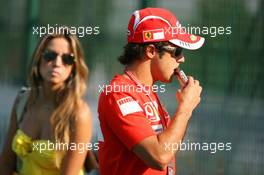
8,157
81,136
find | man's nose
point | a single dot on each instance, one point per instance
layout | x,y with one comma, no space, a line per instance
181,59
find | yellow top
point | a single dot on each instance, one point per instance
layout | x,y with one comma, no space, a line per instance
36,160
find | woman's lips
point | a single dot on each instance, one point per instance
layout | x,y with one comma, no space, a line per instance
55,73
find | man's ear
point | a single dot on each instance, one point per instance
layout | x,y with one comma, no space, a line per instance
150,51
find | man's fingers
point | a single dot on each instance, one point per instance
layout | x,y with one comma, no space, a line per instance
182,84
196,82
191,80
200,89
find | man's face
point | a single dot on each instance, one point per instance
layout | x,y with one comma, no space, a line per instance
163,67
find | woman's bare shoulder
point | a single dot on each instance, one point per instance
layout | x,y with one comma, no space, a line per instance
83,113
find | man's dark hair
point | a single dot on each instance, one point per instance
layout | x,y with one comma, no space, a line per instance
135,51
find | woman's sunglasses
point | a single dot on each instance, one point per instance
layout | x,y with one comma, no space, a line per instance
175,51
50,55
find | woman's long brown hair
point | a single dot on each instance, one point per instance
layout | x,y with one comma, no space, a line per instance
68,97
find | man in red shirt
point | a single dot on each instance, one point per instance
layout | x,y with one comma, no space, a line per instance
137,133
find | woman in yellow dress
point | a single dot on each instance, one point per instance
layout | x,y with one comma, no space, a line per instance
49,135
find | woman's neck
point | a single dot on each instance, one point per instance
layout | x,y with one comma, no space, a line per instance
49,92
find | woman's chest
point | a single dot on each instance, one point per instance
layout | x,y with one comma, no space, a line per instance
36,123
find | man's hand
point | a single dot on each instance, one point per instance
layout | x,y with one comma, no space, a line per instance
152,149
188,97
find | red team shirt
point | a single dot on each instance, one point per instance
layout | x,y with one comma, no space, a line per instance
126,118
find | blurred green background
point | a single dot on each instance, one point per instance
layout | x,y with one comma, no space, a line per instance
229,67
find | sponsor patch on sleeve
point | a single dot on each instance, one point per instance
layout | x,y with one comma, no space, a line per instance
128,105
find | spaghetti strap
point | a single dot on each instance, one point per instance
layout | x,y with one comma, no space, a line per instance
23,97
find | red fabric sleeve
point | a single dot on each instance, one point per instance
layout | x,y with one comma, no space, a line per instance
127,119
